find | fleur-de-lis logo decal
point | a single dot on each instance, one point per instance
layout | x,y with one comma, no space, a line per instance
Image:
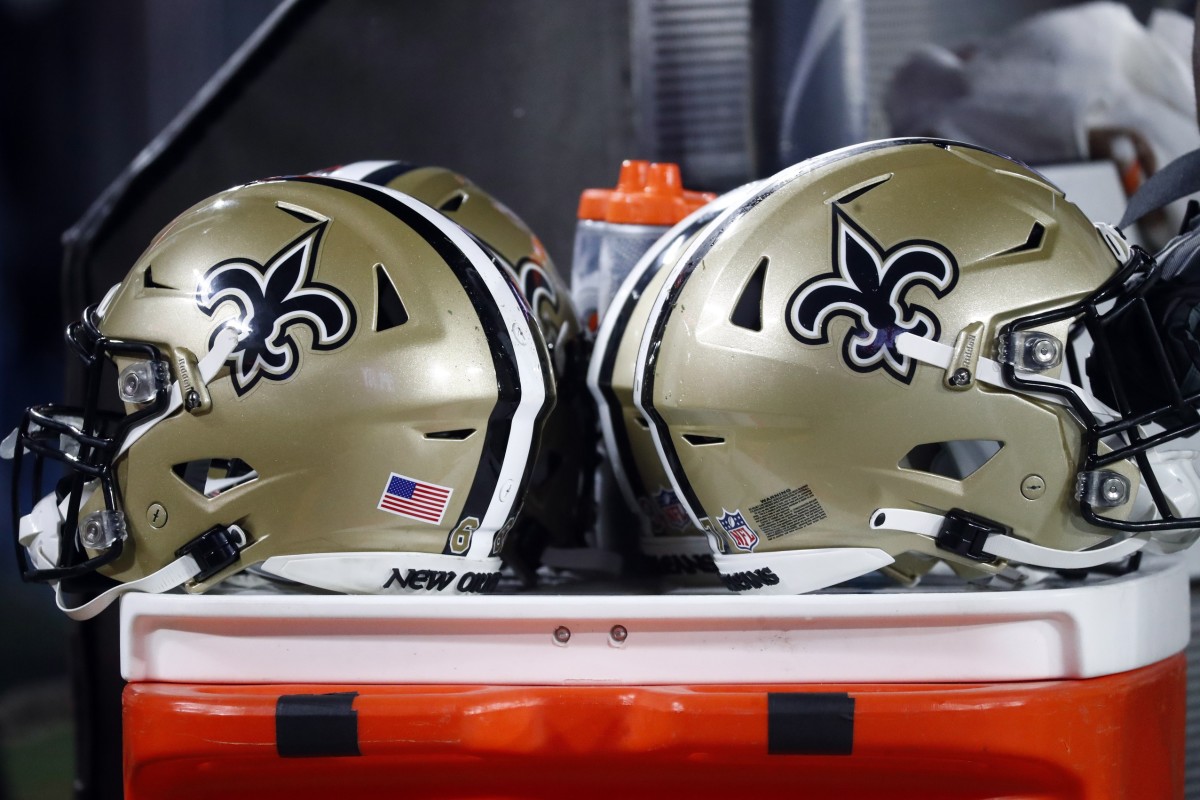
271,300
537,288
868,285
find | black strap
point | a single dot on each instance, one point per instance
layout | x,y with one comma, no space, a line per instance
313,725
1176,180
810,723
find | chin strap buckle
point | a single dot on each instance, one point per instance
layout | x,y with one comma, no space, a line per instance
966,534
214,550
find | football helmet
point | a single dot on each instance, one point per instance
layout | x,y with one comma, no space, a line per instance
320,377
669,544
558,506
876,361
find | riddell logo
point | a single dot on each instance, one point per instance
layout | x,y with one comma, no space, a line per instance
432,580
747,581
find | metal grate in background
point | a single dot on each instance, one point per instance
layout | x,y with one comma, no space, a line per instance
692,87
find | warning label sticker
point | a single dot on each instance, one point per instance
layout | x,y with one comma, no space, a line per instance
787,511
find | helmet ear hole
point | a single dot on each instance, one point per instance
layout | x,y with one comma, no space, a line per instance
957,460
456,435
700,440
213,477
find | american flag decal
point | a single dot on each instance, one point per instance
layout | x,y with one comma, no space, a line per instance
415,499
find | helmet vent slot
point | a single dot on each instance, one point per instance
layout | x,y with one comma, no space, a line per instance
300,212
148,281
957,460
1032,242
641,421
453,436
454,203
748,311
389,308
213,477
858,191
697,440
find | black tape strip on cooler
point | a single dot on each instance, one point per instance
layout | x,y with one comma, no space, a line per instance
313,725
810,724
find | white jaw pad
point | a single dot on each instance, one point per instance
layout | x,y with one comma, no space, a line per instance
798,571
1008,547
47,514
388,573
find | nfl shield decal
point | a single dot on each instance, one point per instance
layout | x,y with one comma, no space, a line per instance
668,505
735,527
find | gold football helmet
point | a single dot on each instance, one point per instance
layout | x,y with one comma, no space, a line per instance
558,505
320,377
669,544
876,362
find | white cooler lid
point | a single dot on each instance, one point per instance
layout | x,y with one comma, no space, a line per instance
1098,627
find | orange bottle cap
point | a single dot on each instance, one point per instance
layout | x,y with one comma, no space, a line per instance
646,194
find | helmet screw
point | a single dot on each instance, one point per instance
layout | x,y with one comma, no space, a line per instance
518,333
192,401
619,634
1045,351
156,515
129,385
961,377
92,533
1033,487
1114,491
562,634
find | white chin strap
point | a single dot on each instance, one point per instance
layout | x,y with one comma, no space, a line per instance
1008,547
39,536
40,529
936,354
175,574
209,366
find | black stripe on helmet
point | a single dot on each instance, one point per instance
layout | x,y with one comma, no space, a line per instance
504,357
608,356
387,173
